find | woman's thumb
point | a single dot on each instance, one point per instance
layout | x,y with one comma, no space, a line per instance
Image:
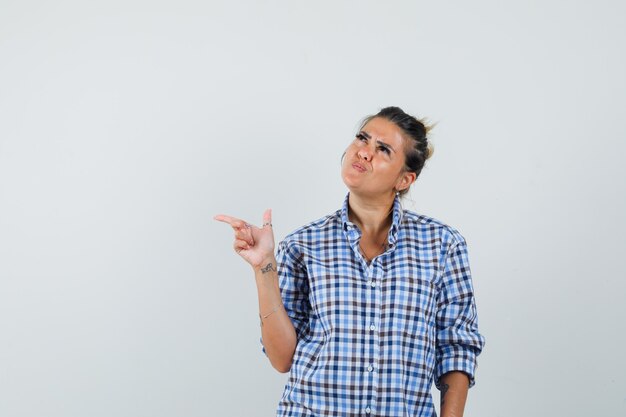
267,218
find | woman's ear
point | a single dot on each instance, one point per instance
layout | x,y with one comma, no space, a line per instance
405,181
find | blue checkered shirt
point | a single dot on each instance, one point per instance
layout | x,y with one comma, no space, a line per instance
373,337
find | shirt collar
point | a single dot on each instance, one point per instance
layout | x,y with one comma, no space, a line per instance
352,230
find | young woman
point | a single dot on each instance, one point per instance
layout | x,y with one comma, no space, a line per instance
368,306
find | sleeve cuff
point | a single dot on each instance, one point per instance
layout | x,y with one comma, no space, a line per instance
456,360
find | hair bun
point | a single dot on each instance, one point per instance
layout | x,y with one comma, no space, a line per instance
428,126
430,150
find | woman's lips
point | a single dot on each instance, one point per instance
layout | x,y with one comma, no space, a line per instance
359,167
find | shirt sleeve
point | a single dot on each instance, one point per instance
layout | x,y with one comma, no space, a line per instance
458,339
294,287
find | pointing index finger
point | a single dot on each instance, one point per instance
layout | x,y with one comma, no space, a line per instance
225,219
235,223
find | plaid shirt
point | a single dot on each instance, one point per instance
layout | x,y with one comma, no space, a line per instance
373,337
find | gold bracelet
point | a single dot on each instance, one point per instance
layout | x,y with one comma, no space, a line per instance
274,310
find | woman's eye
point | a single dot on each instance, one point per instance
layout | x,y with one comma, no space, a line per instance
361,137
384,149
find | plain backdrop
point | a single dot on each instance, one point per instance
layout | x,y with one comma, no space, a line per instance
126,125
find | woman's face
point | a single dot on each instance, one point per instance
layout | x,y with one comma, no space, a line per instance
374,162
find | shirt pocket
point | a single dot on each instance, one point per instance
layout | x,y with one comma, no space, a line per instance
412,297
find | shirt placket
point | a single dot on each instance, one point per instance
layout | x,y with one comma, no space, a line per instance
371,325
369,381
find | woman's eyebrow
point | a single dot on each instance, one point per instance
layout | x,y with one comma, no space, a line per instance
386,145
378,141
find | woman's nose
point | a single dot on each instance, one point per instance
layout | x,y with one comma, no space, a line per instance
365,154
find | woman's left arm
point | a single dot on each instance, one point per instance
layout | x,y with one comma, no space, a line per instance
454,387
458,339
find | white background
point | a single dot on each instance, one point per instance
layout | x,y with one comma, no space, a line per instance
126,125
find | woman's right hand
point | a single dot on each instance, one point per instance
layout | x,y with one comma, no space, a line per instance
254,244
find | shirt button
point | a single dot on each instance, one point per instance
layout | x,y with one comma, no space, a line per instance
370,368
373,327
373,283
368,410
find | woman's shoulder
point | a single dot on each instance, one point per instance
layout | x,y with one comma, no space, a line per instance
425,224
316,229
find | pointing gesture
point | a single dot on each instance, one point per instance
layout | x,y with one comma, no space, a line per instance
254,244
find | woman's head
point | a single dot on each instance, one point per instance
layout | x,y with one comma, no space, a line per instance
390,149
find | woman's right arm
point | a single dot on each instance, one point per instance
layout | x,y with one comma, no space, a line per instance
277,331
256,246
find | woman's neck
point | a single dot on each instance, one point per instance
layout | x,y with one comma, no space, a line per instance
372,216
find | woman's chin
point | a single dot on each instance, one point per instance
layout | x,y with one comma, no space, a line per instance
351,183
352,179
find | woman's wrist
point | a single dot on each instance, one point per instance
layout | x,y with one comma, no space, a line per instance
267,265
266,276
